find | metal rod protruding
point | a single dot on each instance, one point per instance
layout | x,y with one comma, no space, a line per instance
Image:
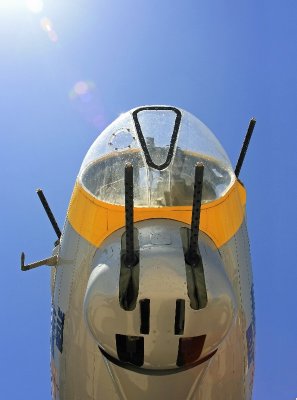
23,268
51,261
245,146
130,259
197,197
49,212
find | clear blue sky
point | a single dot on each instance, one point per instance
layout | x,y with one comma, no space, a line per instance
68,68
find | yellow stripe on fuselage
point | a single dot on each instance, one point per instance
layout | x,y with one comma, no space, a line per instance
95,220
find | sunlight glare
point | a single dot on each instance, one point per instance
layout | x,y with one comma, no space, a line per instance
35,6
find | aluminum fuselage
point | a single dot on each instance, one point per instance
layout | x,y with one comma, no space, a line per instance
79,370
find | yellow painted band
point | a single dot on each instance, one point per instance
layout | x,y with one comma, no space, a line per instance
95,220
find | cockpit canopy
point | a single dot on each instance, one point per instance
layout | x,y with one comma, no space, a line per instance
163,144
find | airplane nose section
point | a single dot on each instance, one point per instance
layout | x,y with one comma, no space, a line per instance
161,330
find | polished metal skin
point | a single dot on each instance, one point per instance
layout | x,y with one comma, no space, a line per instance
88,319
81,372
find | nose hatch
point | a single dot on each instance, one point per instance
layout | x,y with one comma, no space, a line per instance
157,129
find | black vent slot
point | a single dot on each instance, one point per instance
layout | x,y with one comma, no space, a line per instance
189,350
144,316
130,349
179,317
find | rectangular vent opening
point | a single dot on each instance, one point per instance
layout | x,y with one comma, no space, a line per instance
145,316
179,317
189,350
130,349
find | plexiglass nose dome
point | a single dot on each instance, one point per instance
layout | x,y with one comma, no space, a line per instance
163,144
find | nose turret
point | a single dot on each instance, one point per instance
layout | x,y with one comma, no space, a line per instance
163,330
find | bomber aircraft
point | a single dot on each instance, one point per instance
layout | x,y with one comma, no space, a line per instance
152,288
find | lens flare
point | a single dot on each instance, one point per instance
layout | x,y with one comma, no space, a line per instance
47,26
35,6
53,36
81,88
85,99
